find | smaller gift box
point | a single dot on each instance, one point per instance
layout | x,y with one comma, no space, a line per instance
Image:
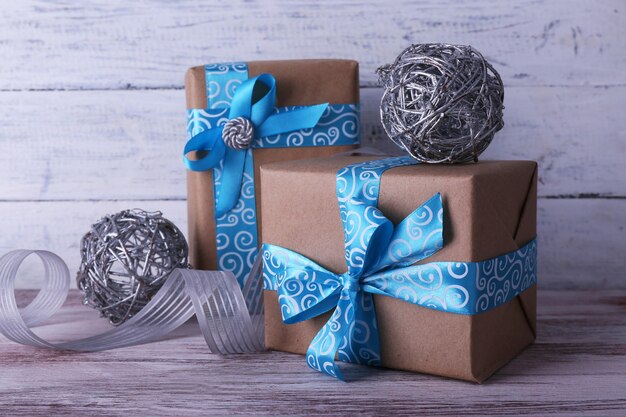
419,267
270,111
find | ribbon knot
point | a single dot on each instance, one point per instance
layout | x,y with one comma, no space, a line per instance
253,101
350,283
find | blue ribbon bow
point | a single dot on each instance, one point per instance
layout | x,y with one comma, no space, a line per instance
380,260
254,100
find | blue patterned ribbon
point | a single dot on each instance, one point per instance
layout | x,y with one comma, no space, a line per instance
380,258
231,94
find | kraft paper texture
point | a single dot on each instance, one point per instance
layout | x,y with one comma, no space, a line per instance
490,210
299,82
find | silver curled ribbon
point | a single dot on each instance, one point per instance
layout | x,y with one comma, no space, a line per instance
231,319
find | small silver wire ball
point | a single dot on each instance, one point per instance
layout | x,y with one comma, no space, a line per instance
125,258
441,103
238,133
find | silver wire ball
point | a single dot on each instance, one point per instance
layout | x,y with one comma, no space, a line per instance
441,103
125,259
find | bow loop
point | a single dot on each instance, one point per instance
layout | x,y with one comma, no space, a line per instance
305,289
254,99
366,231
417,237
376,244
209,148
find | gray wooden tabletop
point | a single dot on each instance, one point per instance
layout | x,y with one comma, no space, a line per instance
577,367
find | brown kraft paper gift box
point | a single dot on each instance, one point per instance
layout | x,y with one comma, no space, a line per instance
490,210
299,82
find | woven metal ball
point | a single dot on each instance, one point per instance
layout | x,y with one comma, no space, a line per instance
238,133
441,103
125,259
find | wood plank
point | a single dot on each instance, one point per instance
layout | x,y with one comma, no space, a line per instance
581,241
59,226
112,45
91,145
576,368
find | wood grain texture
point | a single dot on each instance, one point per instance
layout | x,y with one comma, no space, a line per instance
59,226
94,145
114,140
568,229
112,45
576,368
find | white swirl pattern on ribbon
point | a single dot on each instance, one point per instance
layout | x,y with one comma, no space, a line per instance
500,279
380,260
357,193
222,82
199,120
339,125
236,231
455,287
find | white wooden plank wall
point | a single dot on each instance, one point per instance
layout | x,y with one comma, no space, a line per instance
92,107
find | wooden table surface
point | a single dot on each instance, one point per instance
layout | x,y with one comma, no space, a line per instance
577,367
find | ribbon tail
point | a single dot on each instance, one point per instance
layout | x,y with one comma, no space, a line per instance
362,346
303,118
321,353
227,191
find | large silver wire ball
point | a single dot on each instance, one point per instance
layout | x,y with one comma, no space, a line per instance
441,103
125,259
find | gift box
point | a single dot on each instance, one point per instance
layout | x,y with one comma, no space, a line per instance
467,330
292,109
